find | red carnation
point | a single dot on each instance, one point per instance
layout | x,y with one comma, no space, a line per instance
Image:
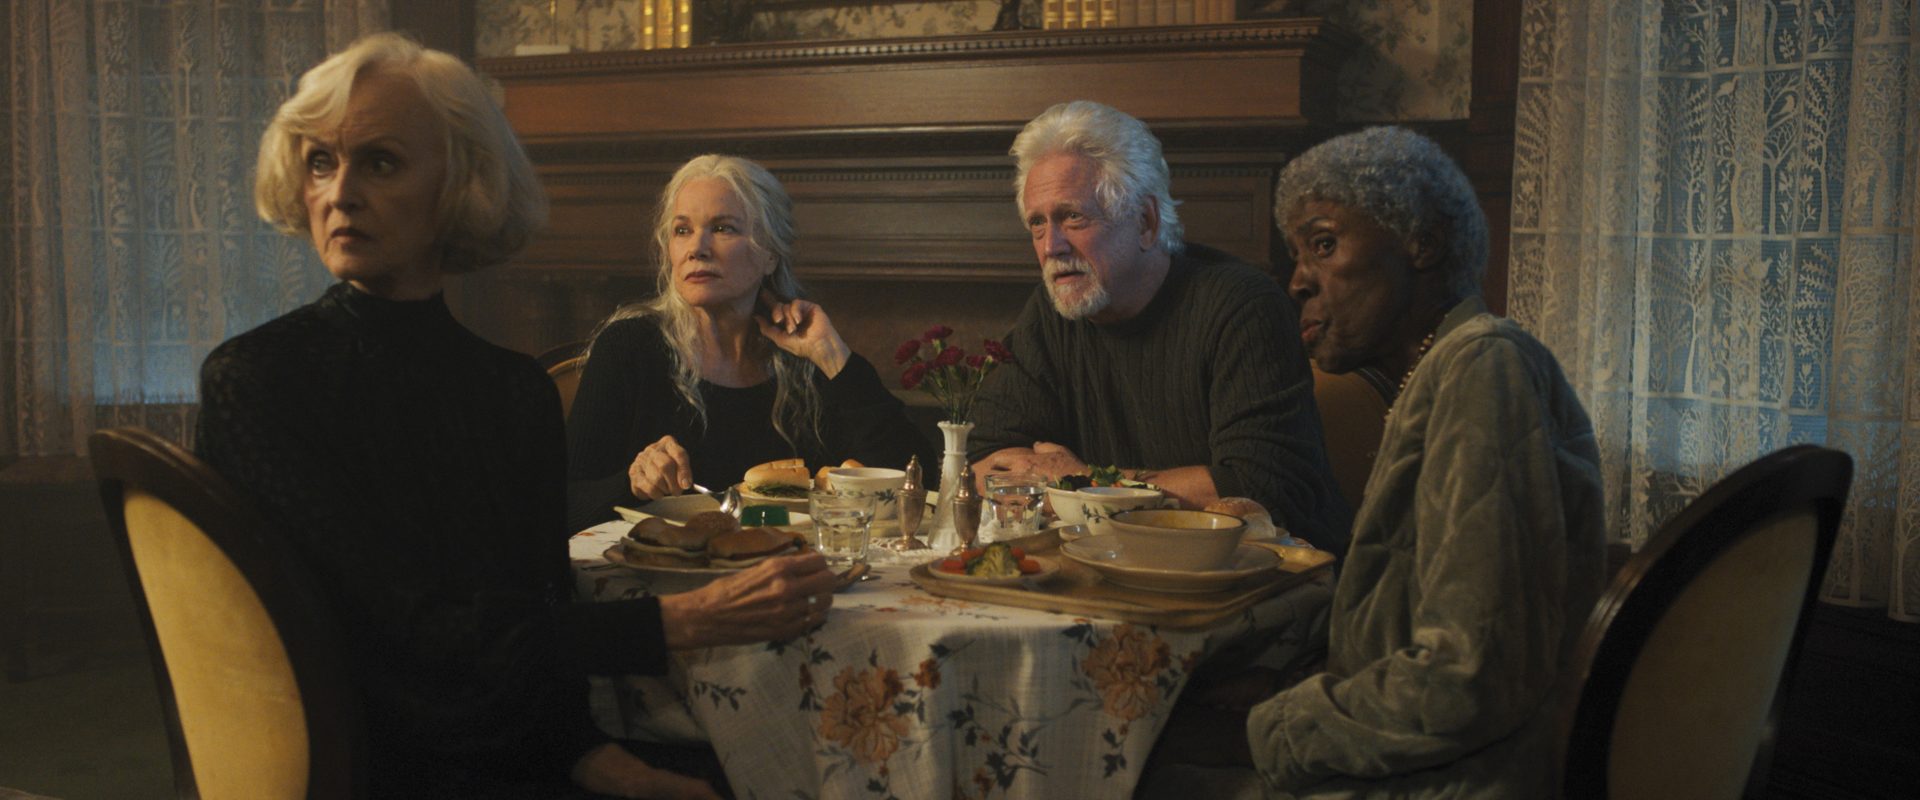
976,361
948,357
997,350
936,332
907,350
911,377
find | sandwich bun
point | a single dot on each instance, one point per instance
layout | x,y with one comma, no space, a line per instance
1259,520
749,546
770,478
658,543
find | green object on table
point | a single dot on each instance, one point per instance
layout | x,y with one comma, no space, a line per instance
764,515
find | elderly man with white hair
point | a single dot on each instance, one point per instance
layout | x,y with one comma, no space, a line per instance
1168,359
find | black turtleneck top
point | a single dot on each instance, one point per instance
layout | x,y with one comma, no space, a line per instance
420,471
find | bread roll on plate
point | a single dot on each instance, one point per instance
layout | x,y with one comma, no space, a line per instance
786,478
1259,522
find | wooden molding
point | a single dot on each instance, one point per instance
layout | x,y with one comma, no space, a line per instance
895,153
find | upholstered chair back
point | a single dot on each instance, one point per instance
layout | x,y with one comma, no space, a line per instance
1353,417
257,700
1685,655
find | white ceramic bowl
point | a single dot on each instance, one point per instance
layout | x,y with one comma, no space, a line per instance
881,482
1177,539
1093,505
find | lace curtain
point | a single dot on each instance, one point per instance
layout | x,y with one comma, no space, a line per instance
1713,227
131,246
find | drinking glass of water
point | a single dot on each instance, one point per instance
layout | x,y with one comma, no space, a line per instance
842,524
1015,497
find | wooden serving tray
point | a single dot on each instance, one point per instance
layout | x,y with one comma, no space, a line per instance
1078,589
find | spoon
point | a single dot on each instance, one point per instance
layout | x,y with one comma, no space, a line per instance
729,500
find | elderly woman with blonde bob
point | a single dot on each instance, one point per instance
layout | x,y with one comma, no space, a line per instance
419,471
1477,553
726,366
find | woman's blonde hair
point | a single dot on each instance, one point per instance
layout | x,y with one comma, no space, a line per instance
770,231
491,202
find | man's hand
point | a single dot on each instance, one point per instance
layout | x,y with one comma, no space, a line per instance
610,770
1045,458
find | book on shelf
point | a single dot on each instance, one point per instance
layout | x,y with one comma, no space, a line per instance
1050,15
683,25
1109,14
646,24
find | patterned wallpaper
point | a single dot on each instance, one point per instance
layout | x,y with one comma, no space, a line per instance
1415,61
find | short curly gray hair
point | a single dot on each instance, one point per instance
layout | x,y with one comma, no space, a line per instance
491,202
1131,166
1403,181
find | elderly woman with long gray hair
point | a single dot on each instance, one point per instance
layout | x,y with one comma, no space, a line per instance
727,366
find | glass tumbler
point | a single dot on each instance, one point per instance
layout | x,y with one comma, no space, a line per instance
842,524
1015,497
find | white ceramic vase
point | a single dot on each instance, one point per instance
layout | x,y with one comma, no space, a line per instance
942,535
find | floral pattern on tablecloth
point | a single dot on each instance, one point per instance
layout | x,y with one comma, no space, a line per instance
902,694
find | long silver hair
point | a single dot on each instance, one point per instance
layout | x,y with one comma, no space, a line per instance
769,210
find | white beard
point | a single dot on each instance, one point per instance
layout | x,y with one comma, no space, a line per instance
1089,301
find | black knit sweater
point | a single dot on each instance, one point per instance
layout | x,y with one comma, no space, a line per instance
419,471
1210,373
627,401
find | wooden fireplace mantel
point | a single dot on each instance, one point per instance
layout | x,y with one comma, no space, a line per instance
896,150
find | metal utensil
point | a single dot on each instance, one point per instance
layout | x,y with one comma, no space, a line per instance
729,500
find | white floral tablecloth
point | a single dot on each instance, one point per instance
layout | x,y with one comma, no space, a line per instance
903,694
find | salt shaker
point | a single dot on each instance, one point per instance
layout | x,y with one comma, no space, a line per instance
913,506
966,507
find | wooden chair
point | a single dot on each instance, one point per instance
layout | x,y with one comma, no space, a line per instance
253,682
1682,661
1353,416
564,364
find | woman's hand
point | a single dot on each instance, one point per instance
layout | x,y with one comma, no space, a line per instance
609,769
776,599
803,329
660,470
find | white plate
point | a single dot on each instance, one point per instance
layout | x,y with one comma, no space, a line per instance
678,508
1103,554
1047,568
1069,531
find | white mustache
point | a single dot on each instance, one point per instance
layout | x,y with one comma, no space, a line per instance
1059,266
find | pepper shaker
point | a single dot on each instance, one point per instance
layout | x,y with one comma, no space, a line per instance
966,507
913,507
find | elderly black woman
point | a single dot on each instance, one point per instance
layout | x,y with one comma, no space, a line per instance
727,365
420,471
1478,550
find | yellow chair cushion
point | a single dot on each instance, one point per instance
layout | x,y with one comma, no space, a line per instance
238,703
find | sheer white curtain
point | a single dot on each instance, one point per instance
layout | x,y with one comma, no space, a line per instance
130,245
1713,227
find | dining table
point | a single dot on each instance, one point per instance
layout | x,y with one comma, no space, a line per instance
902,693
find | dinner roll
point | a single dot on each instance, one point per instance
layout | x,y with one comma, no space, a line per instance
1259,521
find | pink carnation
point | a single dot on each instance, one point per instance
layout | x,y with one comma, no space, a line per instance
998,351
948,357
936,332
907,350
976,361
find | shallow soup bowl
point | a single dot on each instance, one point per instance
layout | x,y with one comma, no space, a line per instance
880,482
1177,539
1093,505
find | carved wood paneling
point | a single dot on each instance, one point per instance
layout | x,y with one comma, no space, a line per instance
895,153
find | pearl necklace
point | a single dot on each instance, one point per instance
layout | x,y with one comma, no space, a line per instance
1418,355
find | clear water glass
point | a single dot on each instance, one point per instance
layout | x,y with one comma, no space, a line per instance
1015,497
842,524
